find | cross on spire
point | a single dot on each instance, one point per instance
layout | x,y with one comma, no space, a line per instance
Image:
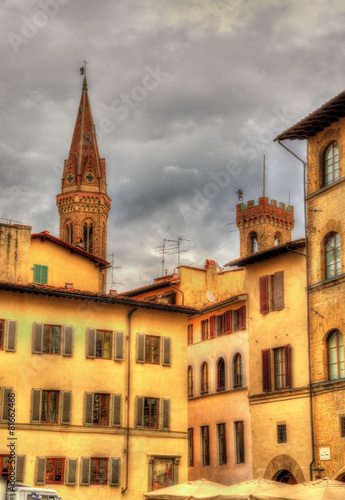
83,68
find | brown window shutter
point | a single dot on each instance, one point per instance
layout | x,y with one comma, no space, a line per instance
263,286
71,476
40,470
67,341
11,327
115,471
85,467
91,342
165,414
266,370
37,341
166,358
36,398
242,318
140,348
227,320
88,406
139,411
5,403
287,366
212,327
278,290
119,346
20,468
117,410
66,404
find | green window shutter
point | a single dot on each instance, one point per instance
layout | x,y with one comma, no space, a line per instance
119,346
20,468
85,468
91,342
72,465
11,327
67,334
37,340
115,471
140,351
40,470
36,398
40,274
66,404
117,410
166,351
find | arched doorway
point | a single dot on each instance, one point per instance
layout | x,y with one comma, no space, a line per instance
285,476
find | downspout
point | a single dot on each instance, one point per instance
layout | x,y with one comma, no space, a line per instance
308,314
179,290
129,316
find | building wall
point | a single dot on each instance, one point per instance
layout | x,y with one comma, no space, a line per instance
14,252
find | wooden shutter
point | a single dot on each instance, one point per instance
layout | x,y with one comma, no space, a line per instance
5,403
11,329
287,366
140,348
166,358
85,468
71,476
263,289
165,414
119,346
212,327
266,370
227,322
117,410
278,281
37,341
88,407
67,333
20,468
242,314
139,411
40,470
66,404
36,398
37,273
44,275
115,471
91,342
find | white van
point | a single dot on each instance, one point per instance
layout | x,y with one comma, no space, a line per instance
25,492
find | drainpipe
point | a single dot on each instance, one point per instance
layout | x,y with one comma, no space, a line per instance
129,316
179,290
308,314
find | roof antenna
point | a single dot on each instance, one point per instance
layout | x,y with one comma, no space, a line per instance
264,177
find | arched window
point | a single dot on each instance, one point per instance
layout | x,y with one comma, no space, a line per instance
221,375
277,239
335,348
88,236
69,232
253,242
190,382
238,371
204,378
331,164
332,255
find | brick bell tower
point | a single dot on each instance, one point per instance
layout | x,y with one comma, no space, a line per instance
83,203
264,225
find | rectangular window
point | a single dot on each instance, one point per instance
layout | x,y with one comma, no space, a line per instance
190,448
152,346
2,333
103,344
55,469
222,456
4,465
51,339
101,409
190,334
271,290
205,445
342,426
204,329
50,407
99,471
282,367
281,433
235,320
239,442
40,274
219,325
151,413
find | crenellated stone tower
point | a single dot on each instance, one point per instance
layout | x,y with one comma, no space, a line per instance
264,225
83,203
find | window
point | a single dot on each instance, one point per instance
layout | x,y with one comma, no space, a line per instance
222,457
205,445
190,334
154,350
282,367
99,471
97,409
103,344
2,334
55,468
50,407
238,371
152,413
335,355
40,274
204,329
331,164
239,442
99,344
342,426
69,232
219,325
281,433
51,339
271,292
190,382
88,236
190,448
332,255
204,378
221,375
4,465
253,242
278,239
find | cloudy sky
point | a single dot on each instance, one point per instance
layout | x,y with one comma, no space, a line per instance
187,97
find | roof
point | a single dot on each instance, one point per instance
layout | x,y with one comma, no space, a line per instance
228,300
68,293
45,235
270,252
316,121
150,288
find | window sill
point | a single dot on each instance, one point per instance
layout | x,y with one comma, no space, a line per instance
325,189
340,278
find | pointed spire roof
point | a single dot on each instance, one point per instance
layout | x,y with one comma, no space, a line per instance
84,169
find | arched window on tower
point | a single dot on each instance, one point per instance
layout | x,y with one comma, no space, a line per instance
69,232
335,347
332,255
253,242
331,164
278,240
88,236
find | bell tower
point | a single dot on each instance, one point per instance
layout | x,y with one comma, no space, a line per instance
263,225
83,203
